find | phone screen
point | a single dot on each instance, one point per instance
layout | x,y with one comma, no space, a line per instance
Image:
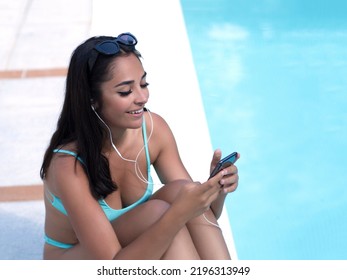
223,163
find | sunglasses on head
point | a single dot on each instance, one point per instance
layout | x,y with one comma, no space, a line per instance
112,47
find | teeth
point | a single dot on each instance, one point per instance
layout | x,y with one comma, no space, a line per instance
136,112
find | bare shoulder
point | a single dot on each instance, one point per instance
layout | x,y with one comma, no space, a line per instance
157,119
66,170
161,134
64,162
159,129
159,124
164,152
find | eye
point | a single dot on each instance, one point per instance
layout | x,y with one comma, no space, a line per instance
145,85
125,93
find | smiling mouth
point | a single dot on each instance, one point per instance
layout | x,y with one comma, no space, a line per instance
135,112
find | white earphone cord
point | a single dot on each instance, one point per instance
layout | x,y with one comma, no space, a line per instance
136,166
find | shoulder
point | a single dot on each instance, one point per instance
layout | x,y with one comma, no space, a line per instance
158,129
156,122
160,133
163,146
64,159
155,117
65,170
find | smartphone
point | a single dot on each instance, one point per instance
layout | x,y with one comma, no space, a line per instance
223,163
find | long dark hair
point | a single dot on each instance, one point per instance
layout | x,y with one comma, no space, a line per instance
78,123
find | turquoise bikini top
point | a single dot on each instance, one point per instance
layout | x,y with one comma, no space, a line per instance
110,213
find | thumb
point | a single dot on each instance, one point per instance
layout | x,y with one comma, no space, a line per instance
217,155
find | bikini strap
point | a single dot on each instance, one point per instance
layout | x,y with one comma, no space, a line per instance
62,151
144,133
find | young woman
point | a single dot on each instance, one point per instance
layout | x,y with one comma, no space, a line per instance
98,190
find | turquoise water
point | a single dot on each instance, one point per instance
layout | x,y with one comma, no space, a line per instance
273,78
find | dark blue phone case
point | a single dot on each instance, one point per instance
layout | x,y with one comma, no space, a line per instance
223,163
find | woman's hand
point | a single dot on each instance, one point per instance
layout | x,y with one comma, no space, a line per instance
229,181
195,198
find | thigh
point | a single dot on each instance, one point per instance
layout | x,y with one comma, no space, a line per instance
133,223
127,227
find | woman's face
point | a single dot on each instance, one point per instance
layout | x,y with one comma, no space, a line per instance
125,95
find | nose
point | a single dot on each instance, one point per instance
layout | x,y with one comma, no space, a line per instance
141,95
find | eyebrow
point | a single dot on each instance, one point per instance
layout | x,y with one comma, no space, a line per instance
131,81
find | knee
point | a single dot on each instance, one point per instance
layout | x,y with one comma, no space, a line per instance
157,207
133,223
169,192
151,211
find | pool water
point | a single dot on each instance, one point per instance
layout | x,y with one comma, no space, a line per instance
273,78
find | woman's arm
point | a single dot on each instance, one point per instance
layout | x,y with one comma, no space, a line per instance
192,200
94,232
97,238
166,160
169,166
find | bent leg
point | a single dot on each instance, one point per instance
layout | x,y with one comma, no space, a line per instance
132,224
182,247
207,238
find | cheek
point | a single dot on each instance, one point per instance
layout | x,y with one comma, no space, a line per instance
114,107
147,94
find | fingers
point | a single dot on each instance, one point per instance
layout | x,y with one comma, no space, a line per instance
215,180
213,184
211,191
230,187
198,197
230,179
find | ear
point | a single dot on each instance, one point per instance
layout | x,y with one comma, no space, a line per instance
93,104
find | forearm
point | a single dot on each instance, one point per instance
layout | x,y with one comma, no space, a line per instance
154,242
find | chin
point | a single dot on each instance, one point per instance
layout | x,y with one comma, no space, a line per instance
135,124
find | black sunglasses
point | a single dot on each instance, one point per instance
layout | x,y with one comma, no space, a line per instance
112,47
